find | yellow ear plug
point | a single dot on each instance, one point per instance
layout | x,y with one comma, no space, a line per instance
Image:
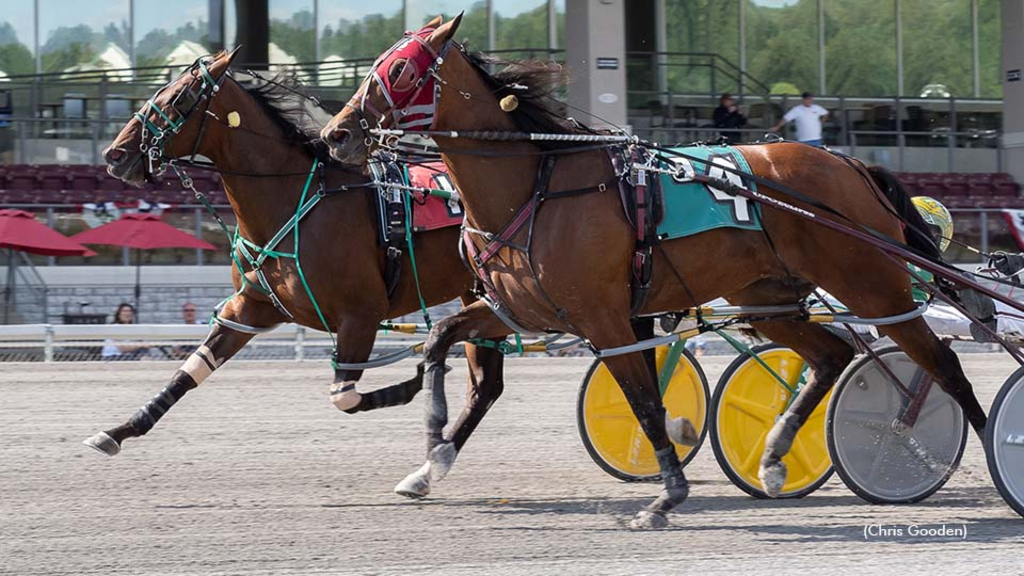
234,119
509,103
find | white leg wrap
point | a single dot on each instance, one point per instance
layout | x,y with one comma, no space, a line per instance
344,395
200,364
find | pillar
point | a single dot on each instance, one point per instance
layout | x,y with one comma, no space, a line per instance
595,43
1013,87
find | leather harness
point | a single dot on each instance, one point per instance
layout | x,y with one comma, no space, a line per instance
641,202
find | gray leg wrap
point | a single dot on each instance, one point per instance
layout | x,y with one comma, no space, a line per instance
780,437
436,404
147,416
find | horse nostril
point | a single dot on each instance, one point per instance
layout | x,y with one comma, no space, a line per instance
113,155
339,136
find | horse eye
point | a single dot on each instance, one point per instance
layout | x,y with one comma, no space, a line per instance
395,72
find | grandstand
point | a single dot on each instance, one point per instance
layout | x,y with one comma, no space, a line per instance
930,90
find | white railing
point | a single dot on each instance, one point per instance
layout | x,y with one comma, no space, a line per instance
51,337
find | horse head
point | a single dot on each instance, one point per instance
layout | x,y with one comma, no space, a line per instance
401,91
170,124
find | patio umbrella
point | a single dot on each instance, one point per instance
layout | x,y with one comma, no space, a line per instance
140,231
20,231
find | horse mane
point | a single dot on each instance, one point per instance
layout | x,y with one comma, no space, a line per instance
534,83
281,99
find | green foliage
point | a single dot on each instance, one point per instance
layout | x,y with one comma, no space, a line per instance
860,44
525,30
15,57
295,36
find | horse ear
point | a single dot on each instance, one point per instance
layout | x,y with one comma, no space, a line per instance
231,55
435,22
445,32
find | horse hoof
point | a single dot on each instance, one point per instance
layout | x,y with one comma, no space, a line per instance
681,431
415,485
102,442
773,478
440,461
645,520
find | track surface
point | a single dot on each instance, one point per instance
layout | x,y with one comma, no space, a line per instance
256,473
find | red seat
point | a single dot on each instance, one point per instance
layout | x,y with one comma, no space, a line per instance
80,196
933,187
1006,189
83,181
21,178
19,196
53,180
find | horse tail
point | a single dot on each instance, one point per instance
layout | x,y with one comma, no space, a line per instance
919,235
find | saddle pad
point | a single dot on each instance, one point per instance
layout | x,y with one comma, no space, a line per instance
692,208
433,212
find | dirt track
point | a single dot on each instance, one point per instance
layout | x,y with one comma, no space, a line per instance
256,473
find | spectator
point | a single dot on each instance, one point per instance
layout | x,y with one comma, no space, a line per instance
728,115
808,117
125,314
188,314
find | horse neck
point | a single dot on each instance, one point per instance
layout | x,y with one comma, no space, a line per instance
262,204
491,188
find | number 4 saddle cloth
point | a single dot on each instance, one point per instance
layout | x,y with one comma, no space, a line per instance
432,212
692,207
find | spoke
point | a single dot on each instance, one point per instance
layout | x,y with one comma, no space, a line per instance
869,424
749,465
933,408
921,453
799,453
762,414
876,465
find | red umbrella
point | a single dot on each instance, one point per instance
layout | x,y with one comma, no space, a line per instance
19,230
143,232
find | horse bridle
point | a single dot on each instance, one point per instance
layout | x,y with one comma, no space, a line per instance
409,108
183,105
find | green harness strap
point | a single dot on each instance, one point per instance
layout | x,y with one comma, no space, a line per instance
412,252
744,349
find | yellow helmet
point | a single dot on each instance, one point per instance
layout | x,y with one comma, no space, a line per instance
935,214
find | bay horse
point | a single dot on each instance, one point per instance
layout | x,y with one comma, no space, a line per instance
255,135
575,275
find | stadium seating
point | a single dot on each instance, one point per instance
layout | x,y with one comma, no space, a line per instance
982,190
83,184
80,184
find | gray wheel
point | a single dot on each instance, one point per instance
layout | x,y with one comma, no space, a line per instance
879,459
1004,441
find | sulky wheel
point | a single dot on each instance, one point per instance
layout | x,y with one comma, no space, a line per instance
881,451
745,406
1004,441
612,435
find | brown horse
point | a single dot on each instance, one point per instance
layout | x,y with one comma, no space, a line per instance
255,136
576,275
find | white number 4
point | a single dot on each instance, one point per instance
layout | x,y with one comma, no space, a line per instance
444,182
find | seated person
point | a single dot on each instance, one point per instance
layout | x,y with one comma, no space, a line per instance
123,350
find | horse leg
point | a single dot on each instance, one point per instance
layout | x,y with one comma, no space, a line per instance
638,383
220,345
356,336
827,355
920,343
485,386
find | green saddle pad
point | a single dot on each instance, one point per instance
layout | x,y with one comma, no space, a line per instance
692,208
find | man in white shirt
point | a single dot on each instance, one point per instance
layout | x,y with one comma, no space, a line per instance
808,117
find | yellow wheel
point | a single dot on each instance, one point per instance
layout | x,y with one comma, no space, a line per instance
746,404
612,435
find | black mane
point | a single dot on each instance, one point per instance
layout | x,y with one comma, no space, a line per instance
281,98
534,83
